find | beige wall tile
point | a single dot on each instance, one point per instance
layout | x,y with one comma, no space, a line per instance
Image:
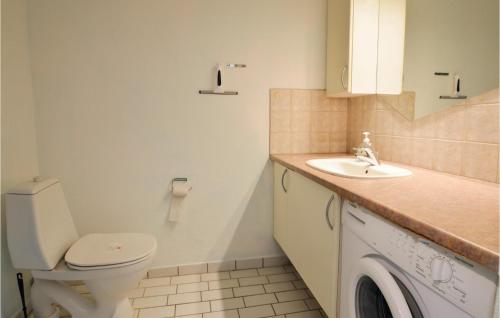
355,118
383,146
249,263
192,269
369,121
401,150
280,121
369,103
383,125
272,261
300,143
339,104
338,121
338,142
425,127
163,272
401,126
225,265
320,142
281,99
279,143
319,101
422,153
482,123
301,100
450,123
300,121
480,161
447,156
320,122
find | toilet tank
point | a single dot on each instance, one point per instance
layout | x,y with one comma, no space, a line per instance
40,227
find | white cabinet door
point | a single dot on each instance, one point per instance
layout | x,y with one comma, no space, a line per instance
313,228
365,47
280,204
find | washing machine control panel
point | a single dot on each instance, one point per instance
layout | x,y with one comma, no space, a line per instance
449,275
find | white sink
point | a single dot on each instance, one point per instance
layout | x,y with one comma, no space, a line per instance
355,168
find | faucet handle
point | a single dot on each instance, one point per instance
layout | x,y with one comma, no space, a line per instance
358,151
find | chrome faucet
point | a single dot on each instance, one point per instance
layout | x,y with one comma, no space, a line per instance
365,151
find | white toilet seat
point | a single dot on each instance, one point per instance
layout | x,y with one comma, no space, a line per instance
109,250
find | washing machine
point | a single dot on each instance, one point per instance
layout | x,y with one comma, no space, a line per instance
390,272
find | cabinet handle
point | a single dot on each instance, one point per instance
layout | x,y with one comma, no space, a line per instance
342,77
327,214
283,180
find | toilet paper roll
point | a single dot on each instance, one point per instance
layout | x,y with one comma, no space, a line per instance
180,189
177,203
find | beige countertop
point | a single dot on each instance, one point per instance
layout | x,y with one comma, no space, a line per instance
458,213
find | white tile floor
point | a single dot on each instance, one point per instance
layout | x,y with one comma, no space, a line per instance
249,293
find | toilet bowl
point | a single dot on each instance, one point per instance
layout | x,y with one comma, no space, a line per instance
43,239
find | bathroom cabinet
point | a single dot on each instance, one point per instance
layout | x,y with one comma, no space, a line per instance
307,227
365,47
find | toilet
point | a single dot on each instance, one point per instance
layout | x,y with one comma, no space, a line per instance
42,238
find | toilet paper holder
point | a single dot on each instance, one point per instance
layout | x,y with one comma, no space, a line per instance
179,180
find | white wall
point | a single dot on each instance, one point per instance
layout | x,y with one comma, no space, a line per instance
456,36
19,157
118,114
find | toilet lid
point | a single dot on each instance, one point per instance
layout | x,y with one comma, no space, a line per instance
103,249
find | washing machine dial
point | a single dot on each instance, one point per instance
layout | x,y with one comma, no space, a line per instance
441,269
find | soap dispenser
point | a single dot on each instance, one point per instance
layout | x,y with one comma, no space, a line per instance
366,140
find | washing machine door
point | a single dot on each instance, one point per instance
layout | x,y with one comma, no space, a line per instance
375,293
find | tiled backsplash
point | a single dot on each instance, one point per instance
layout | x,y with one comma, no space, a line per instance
461,140
306,121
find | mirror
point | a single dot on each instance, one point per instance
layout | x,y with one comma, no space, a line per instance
451,54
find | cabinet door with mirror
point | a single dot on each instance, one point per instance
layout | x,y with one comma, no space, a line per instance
451,53
430,54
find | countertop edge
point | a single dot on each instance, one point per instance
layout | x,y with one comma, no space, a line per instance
465,248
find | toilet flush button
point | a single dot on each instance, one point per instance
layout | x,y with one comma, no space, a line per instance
115,246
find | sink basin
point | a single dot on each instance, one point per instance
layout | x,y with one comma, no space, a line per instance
355,168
